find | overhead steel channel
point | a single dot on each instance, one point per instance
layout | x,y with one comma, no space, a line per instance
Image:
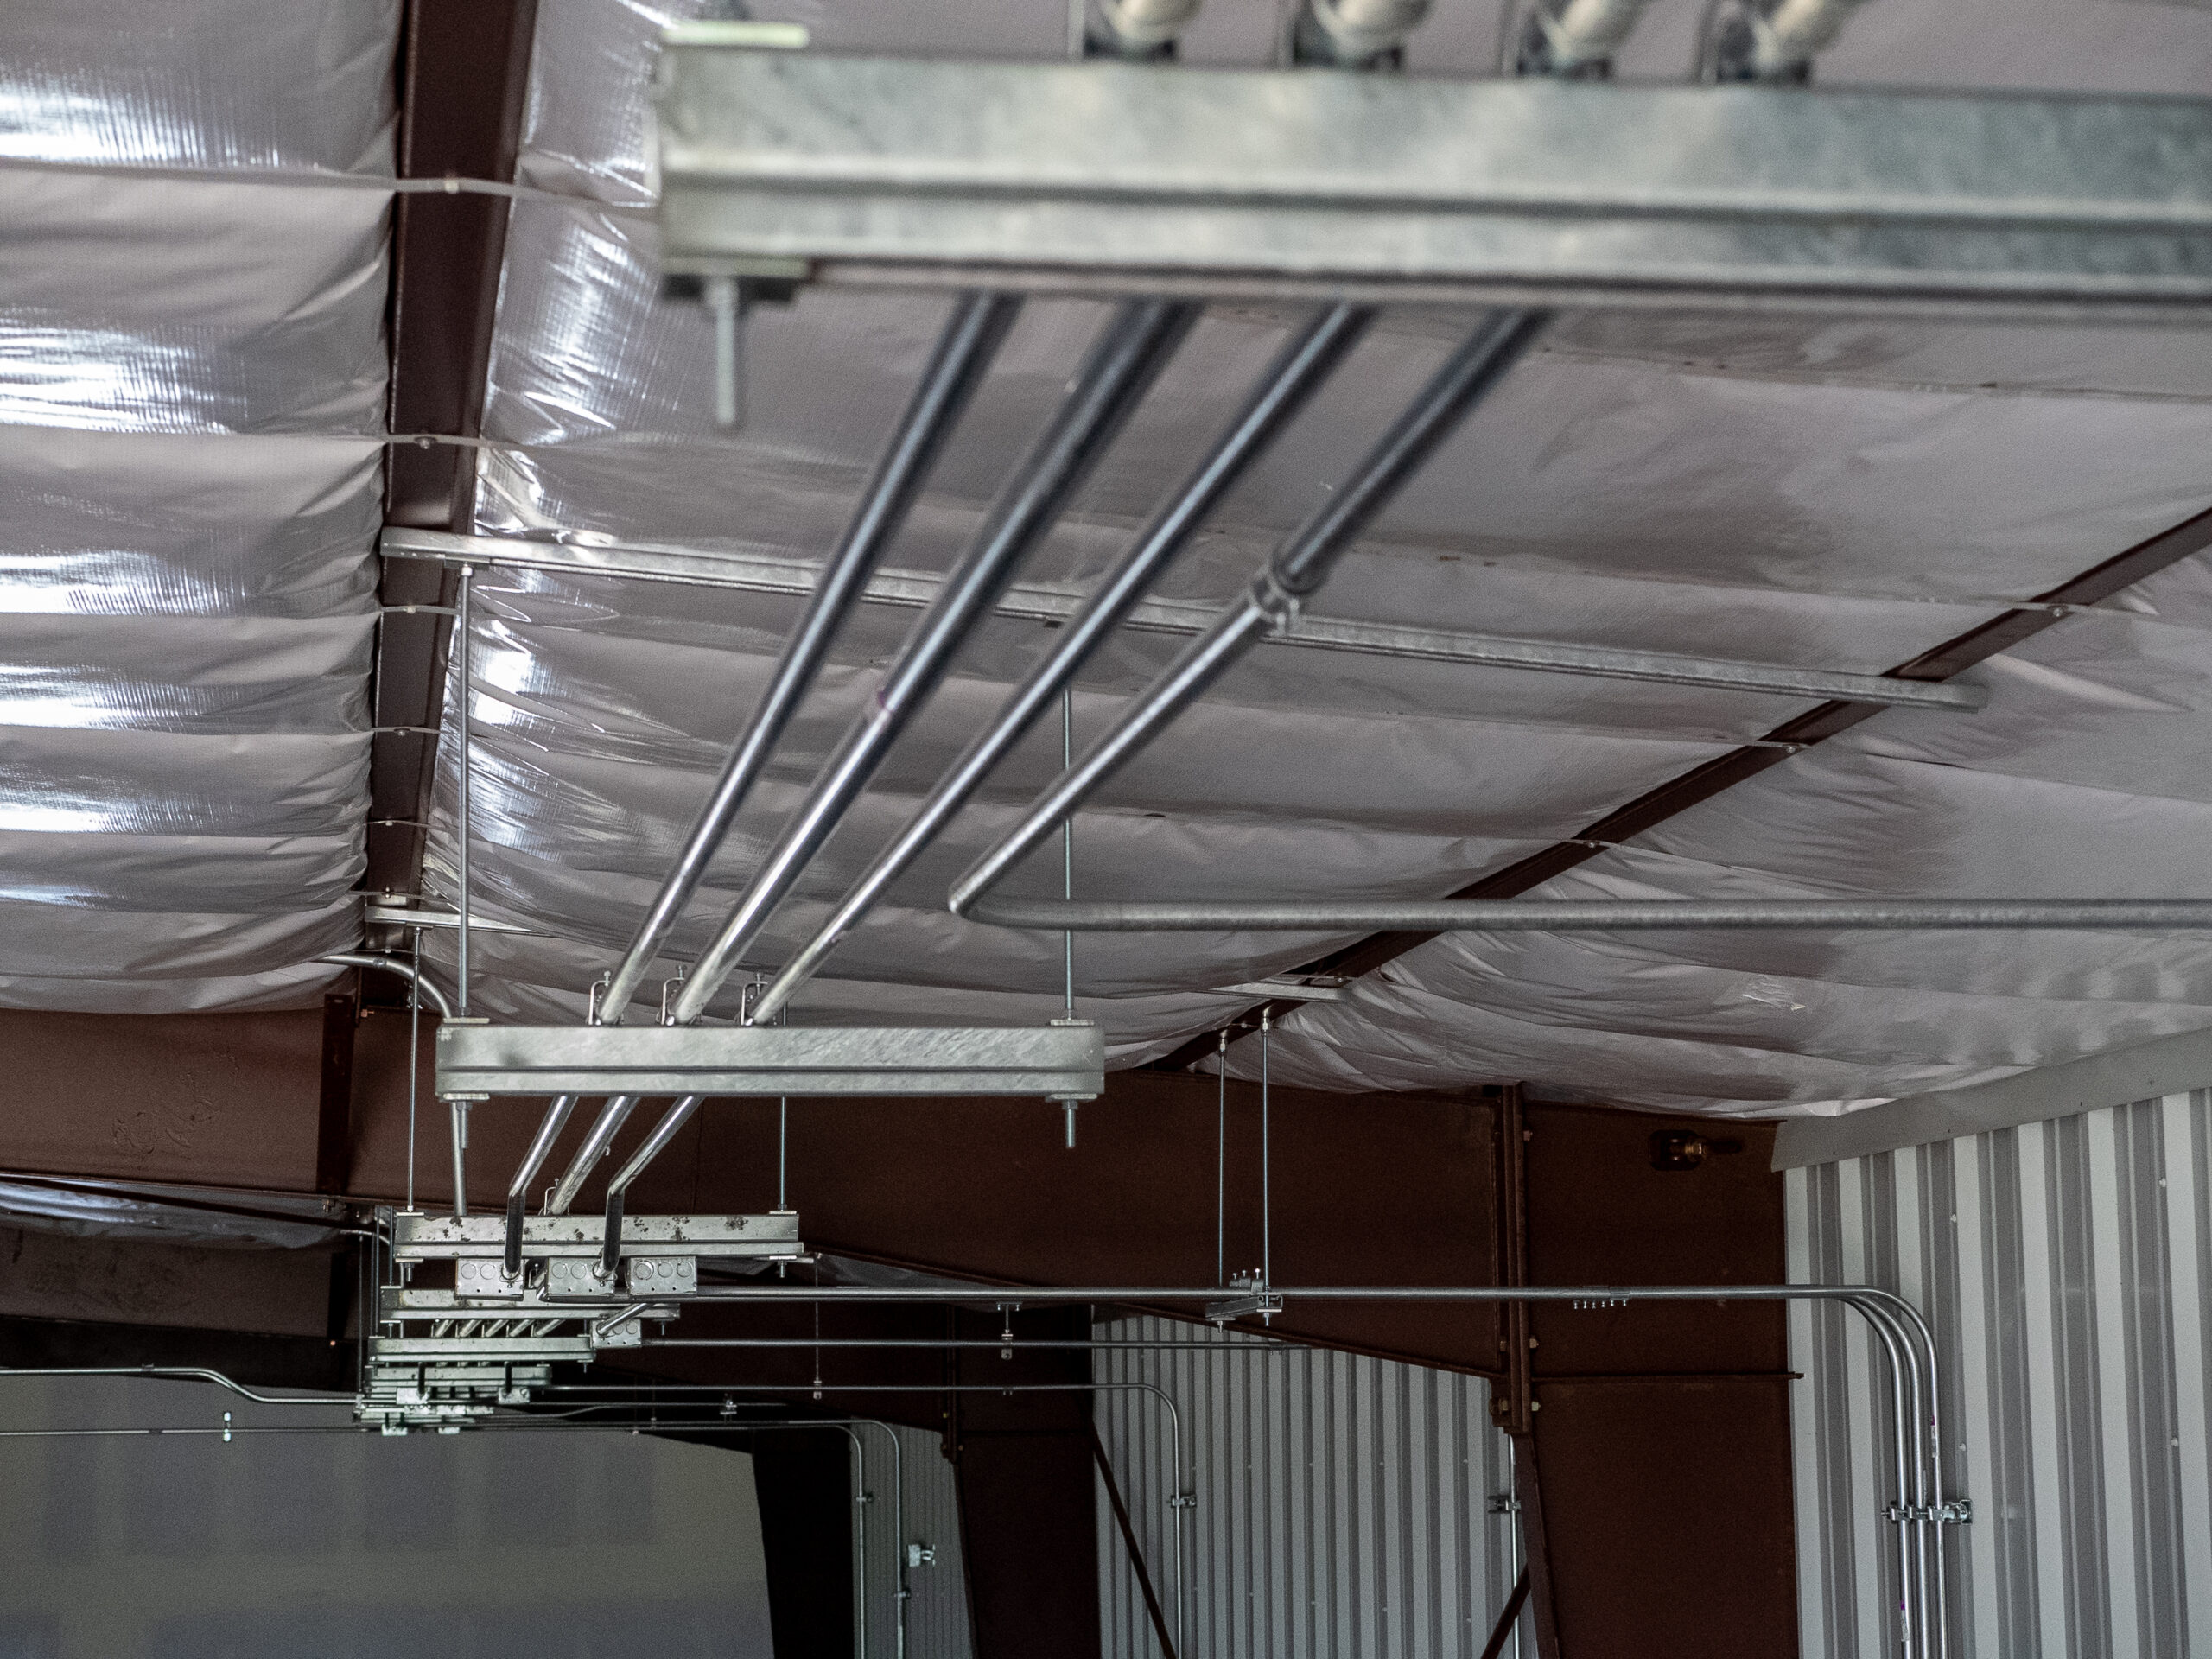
1120,177
1037,601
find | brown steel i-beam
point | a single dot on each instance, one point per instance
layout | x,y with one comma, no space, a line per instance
464,71
1701,783
334,1126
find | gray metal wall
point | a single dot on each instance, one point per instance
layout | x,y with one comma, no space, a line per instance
2064,1266
936,1611
1342,1504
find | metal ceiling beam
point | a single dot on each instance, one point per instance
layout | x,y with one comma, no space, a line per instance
1055,1062
1045,602
1112,177
464,70
1701,783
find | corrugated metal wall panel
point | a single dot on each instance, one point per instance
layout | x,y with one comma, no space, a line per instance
2063,1265
937,1609
1342,1504
936,1615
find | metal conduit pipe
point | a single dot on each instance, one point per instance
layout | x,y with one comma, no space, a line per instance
190,1373
1355,33
1898,1327
406,971
1135,28
969,338
1925,1374
1922,1339
673,1119
1911,1477
1298,370
611,1117
1299,565
1131,349
965,345
1597,916
541,1147
1772,40
1574,40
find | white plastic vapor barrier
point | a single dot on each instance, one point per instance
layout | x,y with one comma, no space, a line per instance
1840,496
193,377
2064,1266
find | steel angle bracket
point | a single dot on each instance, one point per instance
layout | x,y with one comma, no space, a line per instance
1159,179
1258,1304
1057,1061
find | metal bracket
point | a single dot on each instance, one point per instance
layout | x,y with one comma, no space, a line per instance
921,1555
626,1328
1259,1300
1953,1512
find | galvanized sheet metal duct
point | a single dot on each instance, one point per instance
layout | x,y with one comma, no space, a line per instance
2065,1266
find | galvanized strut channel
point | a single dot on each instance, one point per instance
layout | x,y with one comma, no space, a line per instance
1132,349
1114,178
1297,569
1299,370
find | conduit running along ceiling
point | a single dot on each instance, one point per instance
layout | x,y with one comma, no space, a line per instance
1844,495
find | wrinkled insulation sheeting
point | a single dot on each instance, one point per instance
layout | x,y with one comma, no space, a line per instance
1843,495
192,388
